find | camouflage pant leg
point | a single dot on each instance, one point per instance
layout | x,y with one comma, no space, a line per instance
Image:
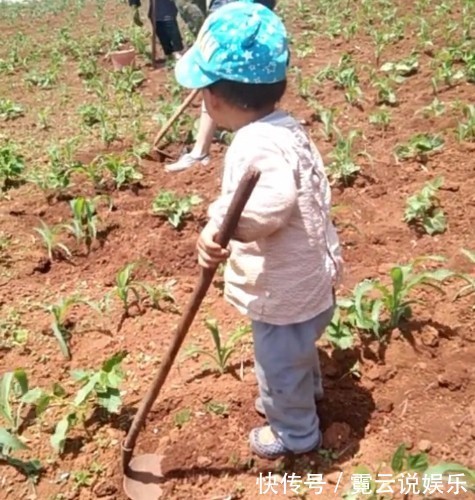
193,13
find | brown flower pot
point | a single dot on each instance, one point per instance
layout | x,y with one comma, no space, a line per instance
122,58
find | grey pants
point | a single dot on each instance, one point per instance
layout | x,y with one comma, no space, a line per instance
288,374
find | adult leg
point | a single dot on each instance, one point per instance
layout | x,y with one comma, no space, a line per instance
200,151
163,36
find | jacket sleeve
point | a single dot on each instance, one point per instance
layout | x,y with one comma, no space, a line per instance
270,205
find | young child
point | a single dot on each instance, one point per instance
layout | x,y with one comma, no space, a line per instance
284,258
199,154
168,32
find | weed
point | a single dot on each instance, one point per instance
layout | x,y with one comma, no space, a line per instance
223,350
127,80
91,114
103,384
49,236
43,117
470,287
380,119
45,80
12,334
9,110
12,166
404,67
419,146
385,92
98,386
182,417
423,209
435,108
220,409
176,209
123,172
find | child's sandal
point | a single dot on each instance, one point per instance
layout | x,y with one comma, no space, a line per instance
266,444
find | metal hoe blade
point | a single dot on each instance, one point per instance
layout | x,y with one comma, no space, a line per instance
143,477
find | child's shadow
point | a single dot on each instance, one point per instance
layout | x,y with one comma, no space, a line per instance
344,413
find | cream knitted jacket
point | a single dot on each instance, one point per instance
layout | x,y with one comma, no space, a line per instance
285,257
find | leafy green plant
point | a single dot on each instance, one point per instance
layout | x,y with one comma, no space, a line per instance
379,308
91,114
123,172
12,333
15,394
219,409
380,119
46,80
59,324
100,387
102,384
12,166
182,417
423,209
49,236
466,130
385,92
127,80
223,349
343,167
419,146
414,467
174,208
9,110
404,67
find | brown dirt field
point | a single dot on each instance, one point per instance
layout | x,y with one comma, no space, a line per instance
418,387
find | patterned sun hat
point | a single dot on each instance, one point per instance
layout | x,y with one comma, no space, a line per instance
242,42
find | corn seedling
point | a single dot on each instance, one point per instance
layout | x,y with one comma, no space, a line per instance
49,236
419,147
339,333
423,209
85,219
381,119
11,166
343,168
379,308
126,284
43,119
466,130
174,208
223,350
416,475
59,325
9,110
385,92
327,118
88,68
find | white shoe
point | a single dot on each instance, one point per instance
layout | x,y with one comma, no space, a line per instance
187,161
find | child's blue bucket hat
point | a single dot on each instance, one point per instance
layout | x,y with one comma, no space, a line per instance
242,42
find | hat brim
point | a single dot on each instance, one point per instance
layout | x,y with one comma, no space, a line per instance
189,72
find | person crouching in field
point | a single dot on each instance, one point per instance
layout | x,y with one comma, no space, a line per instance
284,258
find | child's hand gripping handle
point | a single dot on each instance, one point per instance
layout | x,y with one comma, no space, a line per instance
225,233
